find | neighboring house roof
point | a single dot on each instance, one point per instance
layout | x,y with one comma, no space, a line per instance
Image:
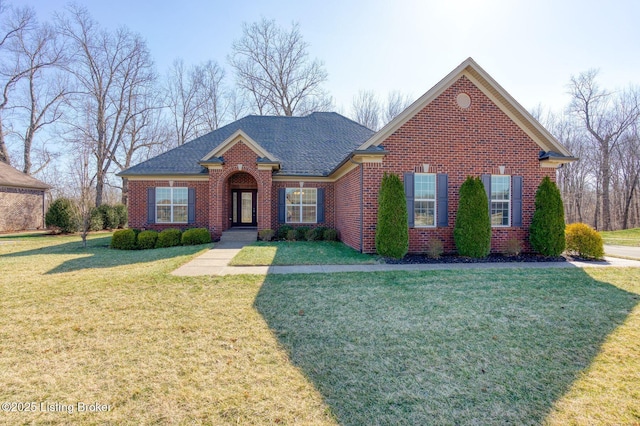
313,145
496,93
15,178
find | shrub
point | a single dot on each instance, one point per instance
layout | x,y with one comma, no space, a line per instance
546,232
146,239
169,237
266,235
584,241
291,235
313,235
195,236
392,232
472,231
124,239
121,214
435,248
95,221
320,232
330,234
63,216
283,231
109,216
301,233
513,247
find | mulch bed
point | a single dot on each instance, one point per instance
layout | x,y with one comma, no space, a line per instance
492,258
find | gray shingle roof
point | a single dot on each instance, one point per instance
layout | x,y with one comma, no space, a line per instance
313,145
15,178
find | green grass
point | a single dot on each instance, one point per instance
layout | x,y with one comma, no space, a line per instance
625,237
300,253
442,347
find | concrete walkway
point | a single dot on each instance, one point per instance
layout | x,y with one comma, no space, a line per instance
216,261
623,251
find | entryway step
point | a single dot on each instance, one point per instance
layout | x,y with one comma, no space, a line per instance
239,236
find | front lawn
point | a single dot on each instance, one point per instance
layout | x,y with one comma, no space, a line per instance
300,253
625,237
454,347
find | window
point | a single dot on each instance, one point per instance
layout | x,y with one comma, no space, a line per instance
301,205
500,200
172,205
424,205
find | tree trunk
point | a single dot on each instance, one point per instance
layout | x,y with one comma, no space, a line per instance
125,191
4,153
606,182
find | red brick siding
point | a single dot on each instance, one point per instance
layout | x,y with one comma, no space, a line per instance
329,202
138,203
460,143
347,211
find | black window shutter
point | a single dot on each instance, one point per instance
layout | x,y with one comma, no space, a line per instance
442,188
320,201
192,205
516,202
151,205
408,192
486,181
282,208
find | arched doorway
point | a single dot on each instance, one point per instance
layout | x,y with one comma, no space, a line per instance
243,200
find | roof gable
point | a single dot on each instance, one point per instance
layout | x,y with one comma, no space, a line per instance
239,136
481,79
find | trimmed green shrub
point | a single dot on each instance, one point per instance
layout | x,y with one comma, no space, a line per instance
301,233
472,231
95,221
124,239
330,234
313,235
584,241
109,216
122,214
546,232
63,216
266,234
392,231
283,231
169,237
320,231
291,235
146,239
196,236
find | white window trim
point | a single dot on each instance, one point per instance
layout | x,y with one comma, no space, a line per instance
435,200
299,204
508,201
172,205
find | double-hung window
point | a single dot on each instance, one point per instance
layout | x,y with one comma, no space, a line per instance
302,205
500,203
172,205
424,204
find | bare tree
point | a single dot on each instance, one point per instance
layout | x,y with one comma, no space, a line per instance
606,118
215,103
273,67
111,70
183,89
396,103
366,109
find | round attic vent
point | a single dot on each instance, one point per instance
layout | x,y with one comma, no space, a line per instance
463,100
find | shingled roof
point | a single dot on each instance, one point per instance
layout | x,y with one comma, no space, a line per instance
16,179
313,145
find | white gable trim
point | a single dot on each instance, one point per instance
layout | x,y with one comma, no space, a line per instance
471,70
238,136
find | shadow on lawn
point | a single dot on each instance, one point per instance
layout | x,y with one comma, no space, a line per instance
97,254
452,347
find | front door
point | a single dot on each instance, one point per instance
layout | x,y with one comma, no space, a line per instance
243,207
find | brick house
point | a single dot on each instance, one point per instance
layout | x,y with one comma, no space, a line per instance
324,169
22,200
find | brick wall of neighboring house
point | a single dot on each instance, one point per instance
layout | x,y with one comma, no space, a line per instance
347,212
21,209
461,143
138,203
329,202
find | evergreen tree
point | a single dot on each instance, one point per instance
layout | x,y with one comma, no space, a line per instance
546,233
472,232
392,231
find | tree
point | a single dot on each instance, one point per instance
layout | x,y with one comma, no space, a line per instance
606,118
272,66
366,109
472,231
392,232
546,232
111,71
396,103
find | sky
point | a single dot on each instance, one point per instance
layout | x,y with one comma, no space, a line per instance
531,48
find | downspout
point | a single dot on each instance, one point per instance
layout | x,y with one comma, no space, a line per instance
361,203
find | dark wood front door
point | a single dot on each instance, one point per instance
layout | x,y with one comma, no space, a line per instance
243,207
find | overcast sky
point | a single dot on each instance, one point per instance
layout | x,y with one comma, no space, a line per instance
530,47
